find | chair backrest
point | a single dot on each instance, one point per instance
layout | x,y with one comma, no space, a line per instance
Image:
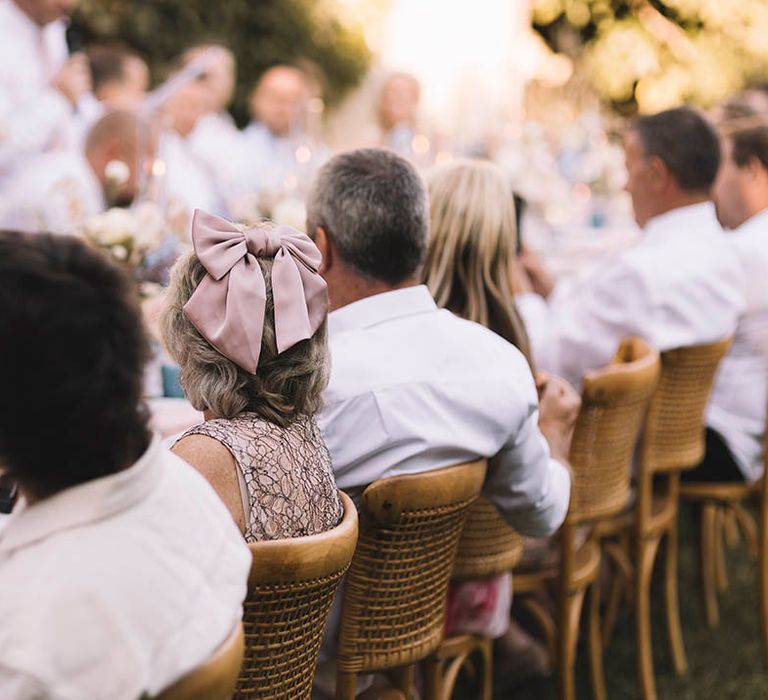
396,588
216,678
673,437
488,545
614,401
290,590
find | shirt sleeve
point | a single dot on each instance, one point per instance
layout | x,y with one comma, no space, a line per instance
590,319
31,126
530,488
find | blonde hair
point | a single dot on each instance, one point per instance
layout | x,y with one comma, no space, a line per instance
470,255
285,385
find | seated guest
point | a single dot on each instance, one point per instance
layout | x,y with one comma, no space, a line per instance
471,268
472,271
187,182
120,569
215,140
280,153
40,85
415,388
737,411
246,322
57,192
680,285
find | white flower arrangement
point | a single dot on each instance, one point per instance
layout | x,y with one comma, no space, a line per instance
128,235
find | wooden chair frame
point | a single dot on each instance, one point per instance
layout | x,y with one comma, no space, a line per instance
216,678
672,441
614,403
488,548
396,588
291,587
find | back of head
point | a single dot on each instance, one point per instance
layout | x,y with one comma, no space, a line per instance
71,367
116,127
472,246
372,204
287,382
107,62
686,143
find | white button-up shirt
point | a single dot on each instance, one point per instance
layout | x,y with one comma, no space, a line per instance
119,586
188,181
679,285
54,192
414,388
219,145
274,163
739,401
33,116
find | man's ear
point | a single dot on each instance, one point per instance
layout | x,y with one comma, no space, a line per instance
324,245
659,173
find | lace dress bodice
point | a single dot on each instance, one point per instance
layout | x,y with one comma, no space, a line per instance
289,486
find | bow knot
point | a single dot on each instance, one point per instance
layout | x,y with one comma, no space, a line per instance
263,242
229,303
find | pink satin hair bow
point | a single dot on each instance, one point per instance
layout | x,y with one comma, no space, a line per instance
228,305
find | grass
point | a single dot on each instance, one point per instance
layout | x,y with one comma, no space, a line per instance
723,664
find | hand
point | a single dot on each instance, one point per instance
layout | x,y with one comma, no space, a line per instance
540,278
74,78
559,406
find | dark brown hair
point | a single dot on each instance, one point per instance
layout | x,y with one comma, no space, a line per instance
71,359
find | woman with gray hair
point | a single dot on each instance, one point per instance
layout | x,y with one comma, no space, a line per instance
246,322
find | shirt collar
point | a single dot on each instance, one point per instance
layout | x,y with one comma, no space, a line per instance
83,504
380,308
692,218
21,19
757,222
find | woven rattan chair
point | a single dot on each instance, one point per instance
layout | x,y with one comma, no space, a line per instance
394,603
614,403
672,441
488,547
721,511
290,590
216,678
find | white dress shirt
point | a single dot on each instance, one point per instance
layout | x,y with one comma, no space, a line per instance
679,285
737,409
219,145
275,163
33,116
118,587
414,388
54,192
188,182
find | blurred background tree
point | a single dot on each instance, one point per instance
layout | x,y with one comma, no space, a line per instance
654,54
260,34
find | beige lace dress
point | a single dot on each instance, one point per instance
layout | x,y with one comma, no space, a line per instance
285,474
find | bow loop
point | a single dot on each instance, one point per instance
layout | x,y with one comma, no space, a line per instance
229,303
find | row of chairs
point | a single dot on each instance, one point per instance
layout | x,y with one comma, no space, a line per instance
417,532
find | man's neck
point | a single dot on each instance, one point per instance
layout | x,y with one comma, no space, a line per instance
679,202
355,288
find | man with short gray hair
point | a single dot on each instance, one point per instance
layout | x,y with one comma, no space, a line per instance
414,388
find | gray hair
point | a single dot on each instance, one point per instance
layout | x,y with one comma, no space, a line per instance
373,205
285,385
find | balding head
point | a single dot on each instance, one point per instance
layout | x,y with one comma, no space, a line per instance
115,138
279,99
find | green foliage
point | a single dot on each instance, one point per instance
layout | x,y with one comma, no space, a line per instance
654,54
261,33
